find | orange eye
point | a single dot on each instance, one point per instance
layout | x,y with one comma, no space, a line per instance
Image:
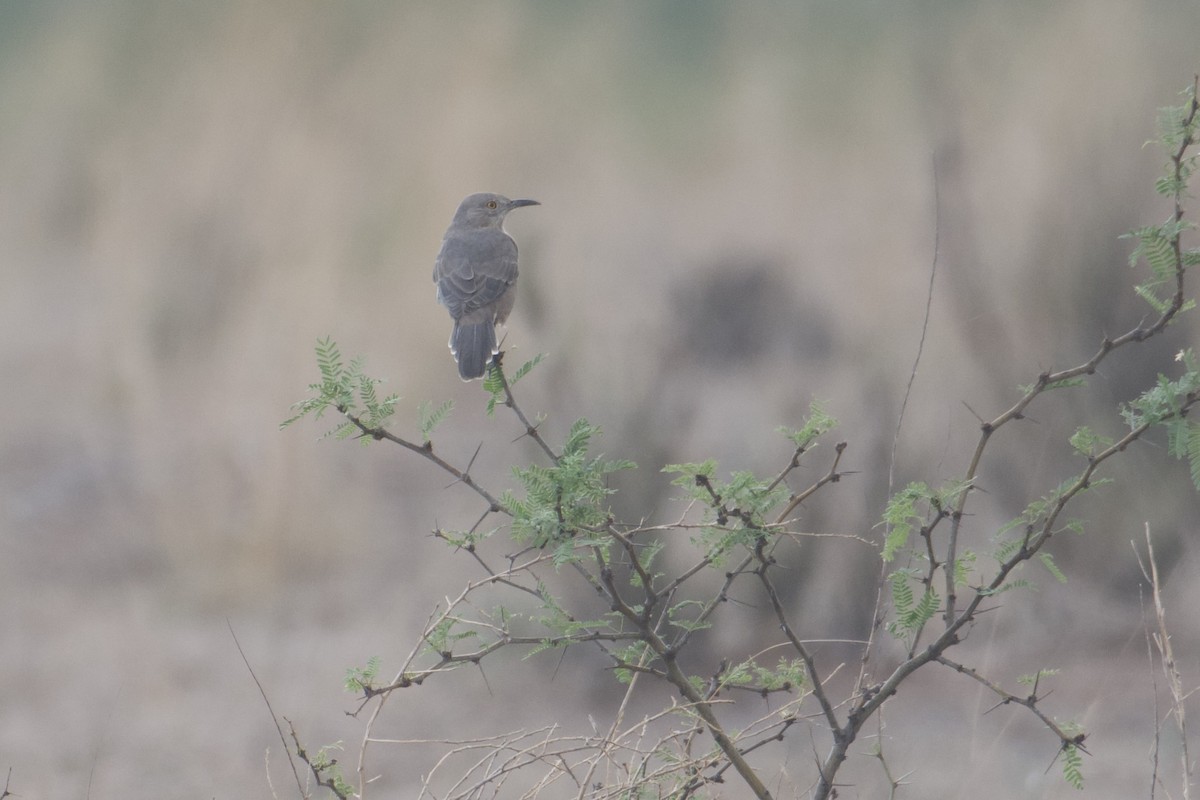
491,203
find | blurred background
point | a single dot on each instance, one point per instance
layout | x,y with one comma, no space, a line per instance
738,218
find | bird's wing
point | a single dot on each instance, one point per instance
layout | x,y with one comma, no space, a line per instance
475,271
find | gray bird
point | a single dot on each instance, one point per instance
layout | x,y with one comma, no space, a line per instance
475,273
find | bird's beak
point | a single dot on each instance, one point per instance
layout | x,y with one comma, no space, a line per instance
519,203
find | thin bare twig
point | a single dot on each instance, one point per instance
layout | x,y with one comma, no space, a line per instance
1162,642
511,401
1154,779
426,452
809,662
832,476
912,375
267,701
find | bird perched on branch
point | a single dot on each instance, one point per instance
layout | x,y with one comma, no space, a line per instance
476,274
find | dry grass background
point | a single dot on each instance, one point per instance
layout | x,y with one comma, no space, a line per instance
737,218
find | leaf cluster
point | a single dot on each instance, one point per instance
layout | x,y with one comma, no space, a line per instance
359,679
917,507
346,389
495,381
910,613
1159,245
566,498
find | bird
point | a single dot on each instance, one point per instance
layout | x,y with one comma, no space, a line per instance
476,275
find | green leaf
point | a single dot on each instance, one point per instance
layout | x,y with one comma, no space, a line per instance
923,611
902,594
1193,452
635,653
1087,443
442,638
1076,525
1036,678
963,567
911,614
689,471
344,388
678,615
1072,766
1019,583
693,477
466,539
817,423
343,431
525,368
493,383
901,513
335,389
1146,292
1048,562
358,679
313,405
431,417
566,499
329,360
579,437
1165,400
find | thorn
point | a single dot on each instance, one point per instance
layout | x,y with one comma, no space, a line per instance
1003,702
471,463
531,431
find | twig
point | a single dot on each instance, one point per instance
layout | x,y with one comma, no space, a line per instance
609,738
809,663
1107,346
511,401
315,768
832,476
912,375
1154,780
1162,641
425,451
270,710
1029,702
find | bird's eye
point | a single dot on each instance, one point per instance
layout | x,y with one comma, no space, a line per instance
491,203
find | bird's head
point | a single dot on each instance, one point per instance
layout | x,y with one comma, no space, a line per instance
487,210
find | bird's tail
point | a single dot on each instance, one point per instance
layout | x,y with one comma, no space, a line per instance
473,344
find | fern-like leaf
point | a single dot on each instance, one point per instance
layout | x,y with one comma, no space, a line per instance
1193,453
493,383
329,360
817,423
431,417
525,368
1048,562
902,593
1072,766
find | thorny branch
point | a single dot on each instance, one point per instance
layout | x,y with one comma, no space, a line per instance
1162,642
1029,701
645,617
1047,379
